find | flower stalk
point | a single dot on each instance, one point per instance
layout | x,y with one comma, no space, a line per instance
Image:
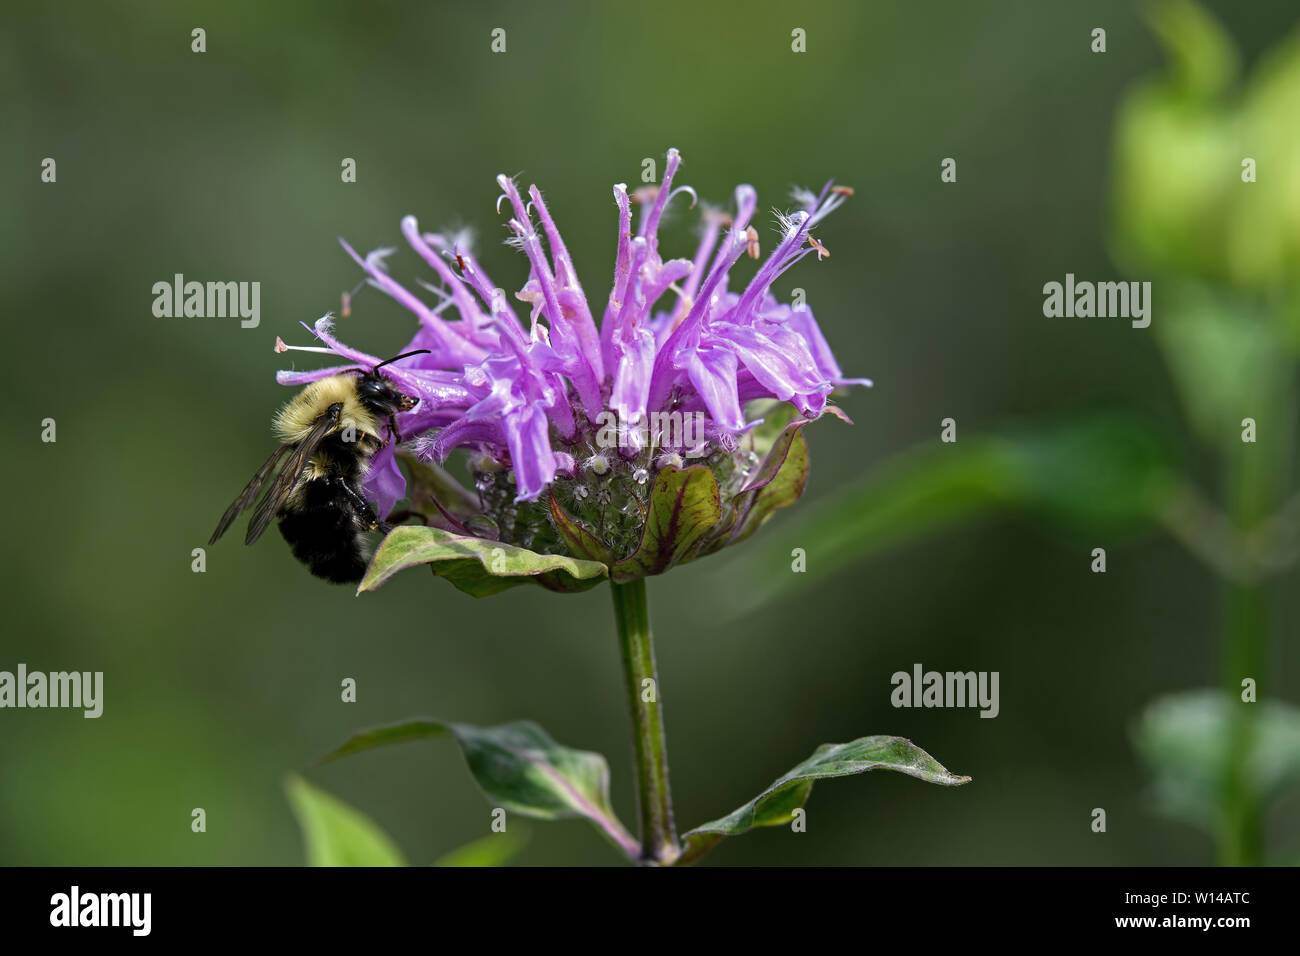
654,799
1250,492
1254,492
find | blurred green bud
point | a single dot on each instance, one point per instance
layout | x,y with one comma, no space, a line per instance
1182,202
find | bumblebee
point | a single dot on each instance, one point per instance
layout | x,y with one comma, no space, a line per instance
329,433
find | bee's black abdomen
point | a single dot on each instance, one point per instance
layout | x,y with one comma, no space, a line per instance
324,532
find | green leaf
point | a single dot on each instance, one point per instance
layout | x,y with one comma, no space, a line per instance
1187,739
417,728
335,834
775,805
519,767
1226,359
476,566
683,507
1101,471
496,849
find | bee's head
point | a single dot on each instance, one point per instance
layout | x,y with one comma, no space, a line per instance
379,395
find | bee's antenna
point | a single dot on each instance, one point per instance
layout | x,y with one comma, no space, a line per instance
402,356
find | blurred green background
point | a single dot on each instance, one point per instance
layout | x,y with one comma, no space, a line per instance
225,166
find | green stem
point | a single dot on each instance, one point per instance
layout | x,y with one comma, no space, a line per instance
658,835
1241,832
1250,495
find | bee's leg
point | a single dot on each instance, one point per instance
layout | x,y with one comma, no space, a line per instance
362,508
392,430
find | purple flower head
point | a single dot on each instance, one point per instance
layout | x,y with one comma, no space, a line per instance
549,401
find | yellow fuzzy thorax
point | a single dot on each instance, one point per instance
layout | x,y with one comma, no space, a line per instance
293,421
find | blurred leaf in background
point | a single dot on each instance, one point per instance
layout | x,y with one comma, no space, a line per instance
336,834
1186,740
498,849
1106,473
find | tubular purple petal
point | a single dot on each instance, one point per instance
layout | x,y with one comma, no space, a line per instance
384,484
650,225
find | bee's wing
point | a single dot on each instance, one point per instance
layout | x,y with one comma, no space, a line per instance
274,499
249,494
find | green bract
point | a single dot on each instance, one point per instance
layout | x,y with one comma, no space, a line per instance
684,513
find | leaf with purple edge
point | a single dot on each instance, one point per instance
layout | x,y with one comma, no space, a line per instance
477,566
775,805
683,507
519,767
